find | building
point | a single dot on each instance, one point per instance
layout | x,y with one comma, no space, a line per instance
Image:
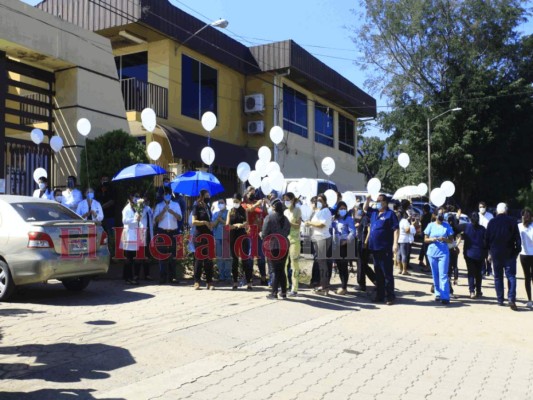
176,64
51,74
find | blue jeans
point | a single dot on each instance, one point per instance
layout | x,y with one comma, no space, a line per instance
439,269
384,274
509,266
223,264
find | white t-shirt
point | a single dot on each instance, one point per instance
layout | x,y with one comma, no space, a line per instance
323,216
405,237
168,222
485,218
526,234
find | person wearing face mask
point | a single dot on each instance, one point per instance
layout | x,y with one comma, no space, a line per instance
484,218
344,243
237,223
201,219
58,195
362,224
405,240
43,192
130,241
71,196
526,255
106,197
167,213
438,234
221,241
294,215
382,241
320,225
90,209
474,251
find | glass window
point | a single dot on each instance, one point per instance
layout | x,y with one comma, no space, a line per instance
133,66
323,125
294,111
199,84
40,212
346,135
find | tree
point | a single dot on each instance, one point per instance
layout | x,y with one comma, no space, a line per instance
430,56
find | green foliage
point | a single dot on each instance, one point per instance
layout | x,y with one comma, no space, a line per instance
429,57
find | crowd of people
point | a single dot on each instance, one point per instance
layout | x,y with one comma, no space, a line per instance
268,229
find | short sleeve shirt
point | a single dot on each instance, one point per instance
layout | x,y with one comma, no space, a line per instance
434,230
382,227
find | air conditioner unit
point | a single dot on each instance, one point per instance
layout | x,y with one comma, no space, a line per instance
254,103
256,127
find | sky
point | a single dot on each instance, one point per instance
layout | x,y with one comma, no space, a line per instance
323,27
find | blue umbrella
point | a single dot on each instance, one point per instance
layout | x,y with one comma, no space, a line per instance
139,171
190,183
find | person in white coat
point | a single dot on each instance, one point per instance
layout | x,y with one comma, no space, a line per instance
147,223
71,196
44,192
90,209
131,239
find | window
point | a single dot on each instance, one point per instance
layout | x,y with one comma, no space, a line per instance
198,88
323,125
294,111
346,135
133,66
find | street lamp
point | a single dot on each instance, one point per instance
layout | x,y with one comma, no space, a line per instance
429,120
219,23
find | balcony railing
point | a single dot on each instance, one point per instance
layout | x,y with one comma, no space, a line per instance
139,95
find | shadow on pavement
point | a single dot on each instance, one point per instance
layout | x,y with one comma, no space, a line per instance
53,394
64,362
9,312
98,293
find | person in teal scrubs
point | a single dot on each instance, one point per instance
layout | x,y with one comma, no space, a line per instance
437,235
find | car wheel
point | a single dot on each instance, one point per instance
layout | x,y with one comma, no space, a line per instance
7,286
76,284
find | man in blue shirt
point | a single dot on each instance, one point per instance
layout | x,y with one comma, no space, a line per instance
382,242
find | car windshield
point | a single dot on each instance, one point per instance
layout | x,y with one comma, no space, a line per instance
44,212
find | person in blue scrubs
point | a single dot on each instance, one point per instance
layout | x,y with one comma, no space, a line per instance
437,235
383,242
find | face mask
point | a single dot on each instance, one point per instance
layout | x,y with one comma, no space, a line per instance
42,186
59,199
319,205
135,200
342,213
221,206
236,205
105,183
482,210
440,217
359,213
379,206
288,203
207,199
167,197
166,184
90,195
70,184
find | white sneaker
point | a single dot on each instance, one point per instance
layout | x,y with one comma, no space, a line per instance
530,304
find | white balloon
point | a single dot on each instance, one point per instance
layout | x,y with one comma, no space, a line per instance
272,168
404,160
154,150
437,197
243,171
374,196
328,165
277,180
305,189
37,136
266,186
84,126
38,173
373,186
264,154
254,179
448,188
209,121
148,119
331,197
261,167
276,134
56,143
422,189
294,188
349,199
207,155
307,212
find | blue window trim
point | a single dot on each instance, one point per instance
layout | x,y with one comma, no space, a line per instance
345,133
295,119
324,130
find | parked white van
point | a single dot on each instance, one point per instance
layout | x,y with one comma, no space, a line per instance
308,187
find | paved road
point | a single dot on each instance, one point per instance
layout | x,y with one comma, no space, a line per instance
170,342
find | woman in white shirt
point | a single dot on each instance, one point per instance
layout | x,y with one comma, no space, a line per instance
321,238
90,209
130,241
526,255
405,239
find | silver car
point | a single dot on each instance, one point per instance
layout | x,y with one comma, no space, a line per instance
42,240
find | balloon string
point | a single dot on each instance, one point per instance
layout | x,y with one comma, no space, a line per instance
87,162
